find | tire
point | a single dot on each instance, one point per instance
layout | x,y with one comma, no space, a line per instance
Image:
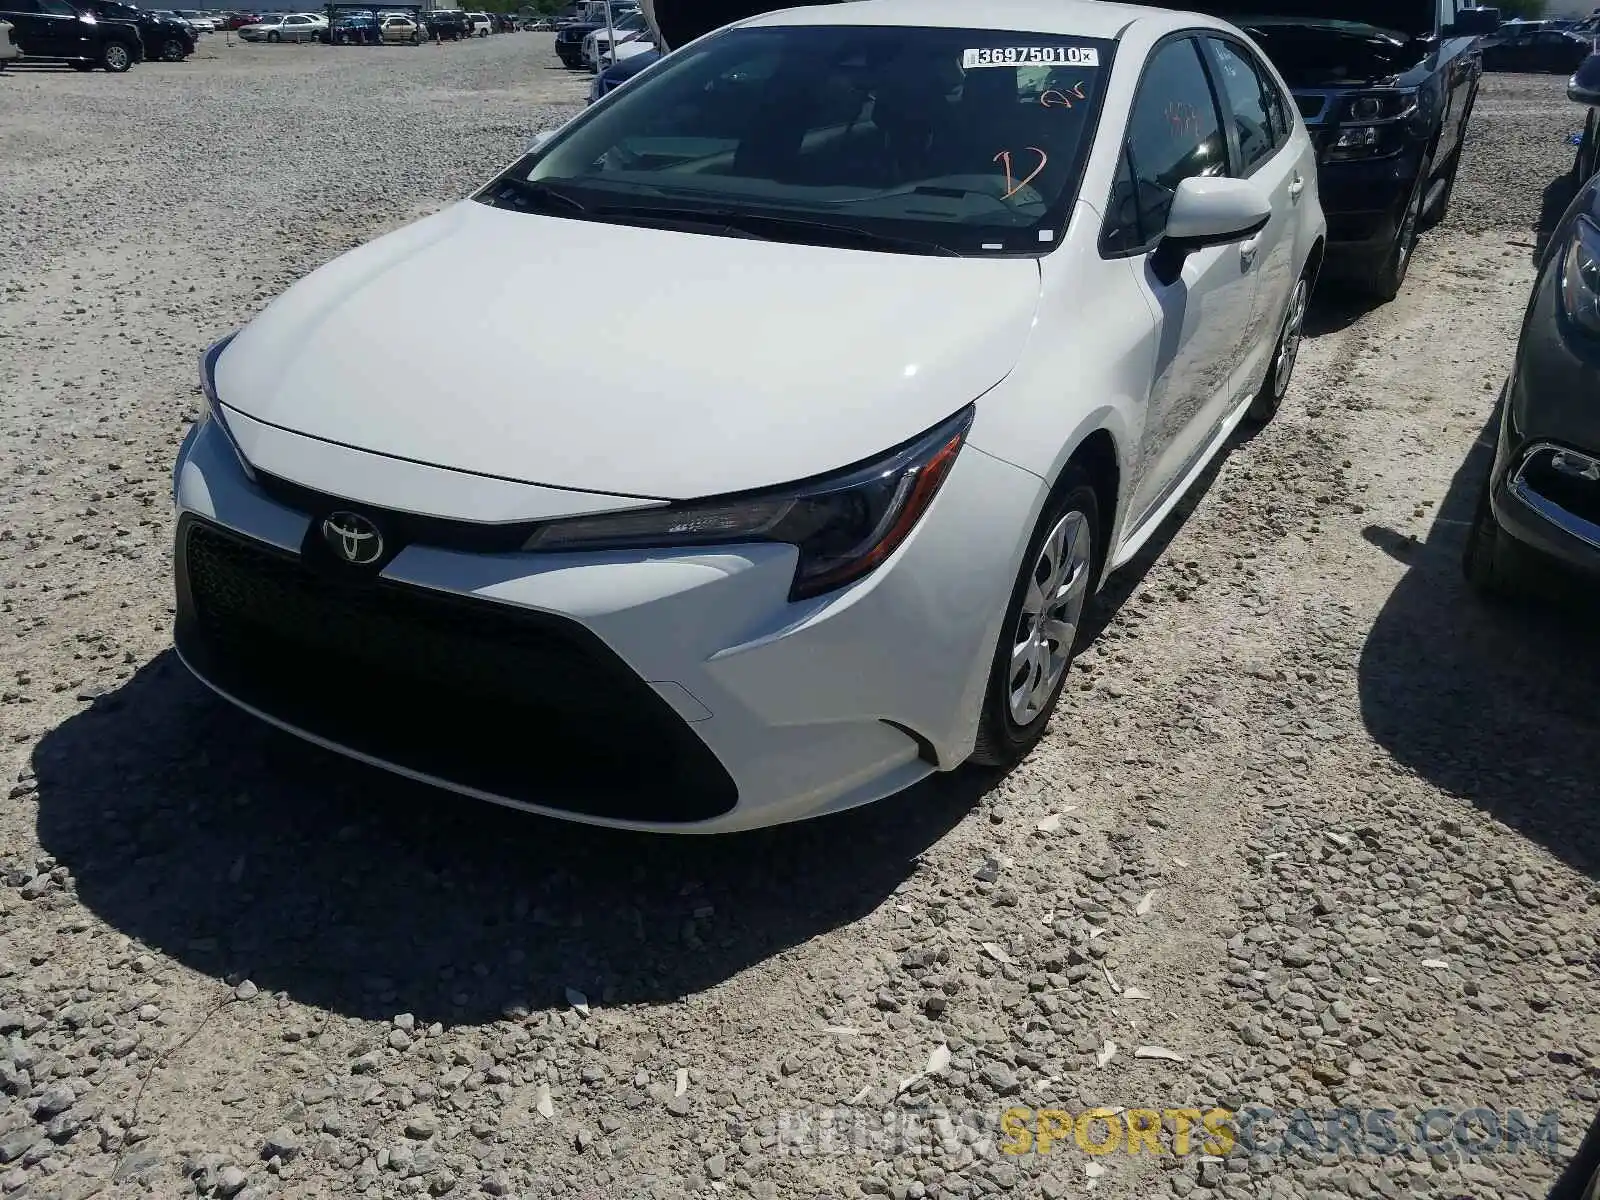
1385,284
173,50
1492,561
416,39
1064,547
1285,353
274,36
116,57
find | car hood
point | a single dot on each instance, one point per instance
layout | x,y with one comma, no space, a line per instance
1312,54
642,362
1410,18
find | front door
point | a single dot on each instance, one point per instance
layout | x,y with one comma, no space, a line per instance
1176,132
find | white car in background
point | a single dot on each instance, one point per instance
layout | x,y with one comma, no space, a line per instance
597,45
481,25
200,22
946,311
292,27
8,47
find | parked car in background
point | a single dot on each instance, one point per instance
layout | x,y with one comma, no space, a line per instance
404,555
54,30
447,24
293,27
204,22
240,20
352,27
1540,502
162,37
481,25
397,29
624,69
1516,48
597,46
8,48
1386,88
569,42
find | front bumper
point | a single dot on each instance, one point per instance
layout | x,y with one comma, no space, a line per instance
1545,486
1364,203
672,690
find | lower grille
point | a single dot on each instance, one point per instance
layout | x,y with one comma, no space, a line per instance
523,705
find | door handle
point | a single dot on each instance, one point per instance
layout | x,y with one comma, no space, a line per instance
1296,186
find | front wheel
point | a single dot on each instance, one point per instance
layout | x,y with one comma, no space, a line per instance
1040,630
1385,285
1492,562
116,57
274,36
173,50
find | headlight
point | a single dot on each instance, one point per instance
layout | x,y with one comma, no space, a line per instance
1580,277
843,525
1381,106
213,408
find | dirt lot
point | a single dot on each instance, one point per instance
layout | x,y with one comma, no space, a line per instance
1313,820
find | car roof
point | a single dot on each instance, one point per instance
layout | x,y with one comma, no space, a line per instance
1077,18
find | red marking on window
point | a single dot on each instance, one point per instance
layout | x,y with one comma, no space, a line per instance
1012,185
1059,99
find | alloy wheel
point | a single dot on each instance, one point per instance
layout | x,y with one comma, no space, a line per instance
116,57
1289,341
1047,626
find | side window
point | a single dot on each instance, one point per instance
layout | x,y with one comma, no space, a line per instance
1174,133
21,6
1249,104
57,8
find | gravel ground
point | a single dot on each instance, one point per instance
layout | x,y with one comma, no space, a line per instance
1311,820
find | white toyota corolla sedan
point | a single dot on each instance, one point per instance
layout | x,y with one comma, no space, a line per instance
888,330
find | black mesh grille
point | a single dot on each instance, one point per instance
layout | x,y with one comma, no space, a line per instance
520,704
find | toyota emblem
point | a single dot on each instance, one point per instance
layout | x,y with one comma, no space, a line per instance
353,538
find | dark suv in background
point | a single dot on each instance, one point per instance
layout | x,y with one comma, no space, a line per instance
53,29
162,37
447,24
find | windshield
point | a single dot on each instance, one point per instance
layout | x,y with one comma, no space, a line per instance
971,140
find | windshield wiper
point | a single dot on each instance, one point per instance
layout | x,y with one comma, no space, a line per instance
538,191
772,225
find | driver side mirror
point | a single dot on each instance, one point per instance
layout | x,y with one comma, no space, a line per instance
1205,212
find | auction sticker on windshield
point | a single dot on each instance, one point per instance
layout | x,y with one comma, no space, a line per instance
1027,56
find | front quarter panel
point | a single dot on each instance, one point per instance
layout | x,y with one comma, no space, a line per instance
1087,365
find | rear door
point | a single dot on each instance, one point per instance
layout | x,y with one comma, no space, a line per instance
1266,148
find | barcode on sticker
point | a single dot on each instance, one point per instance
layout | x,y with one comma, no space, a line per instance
1030,56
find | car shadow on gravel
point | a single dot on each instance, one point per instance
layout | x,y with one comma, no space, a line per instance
1492,703
244,853
1553,201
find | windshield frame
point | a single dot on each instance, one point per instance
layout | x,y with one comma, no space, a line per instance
988,241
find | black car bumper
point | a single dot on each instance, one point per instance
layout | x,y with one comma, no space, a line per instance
1545,485
571,54
1364,203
